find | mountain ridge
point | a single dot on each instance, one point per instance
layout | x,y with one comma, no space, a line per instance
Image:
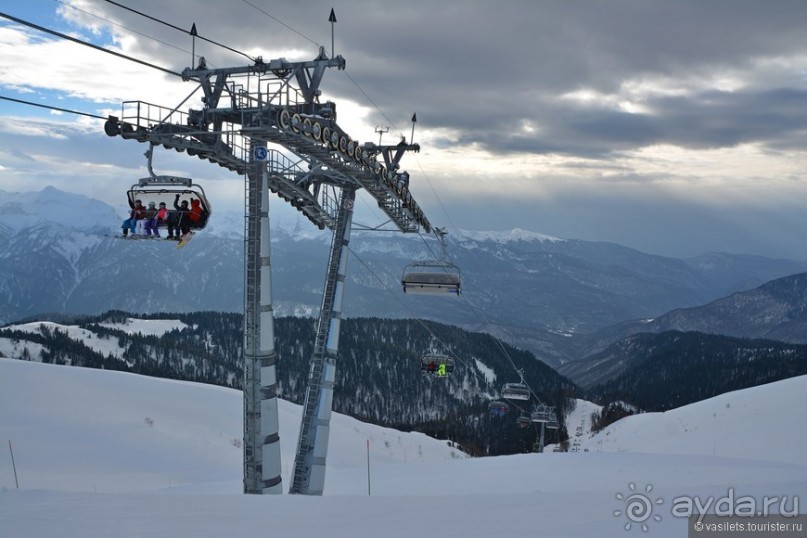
776,310
535,291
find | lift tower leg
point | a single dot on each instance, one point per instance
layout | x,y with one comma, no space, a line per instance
312,445
541,443
261,440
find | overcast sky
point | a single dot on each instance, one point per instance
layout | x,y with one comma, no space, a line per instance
676,127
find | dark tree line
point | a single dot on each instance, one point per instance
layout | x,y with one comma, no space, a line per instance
379,379
378,369
677,368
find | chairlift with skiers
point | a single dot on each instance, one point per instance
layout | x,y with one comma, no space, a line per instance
184,200
498,408
436,364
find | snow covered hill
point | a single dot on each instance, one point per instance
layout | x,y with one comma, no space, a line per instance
763,422
117,432
102,454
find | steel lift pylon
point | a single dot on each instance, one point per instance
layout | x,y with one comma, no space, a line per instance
312,446
266,122
546,416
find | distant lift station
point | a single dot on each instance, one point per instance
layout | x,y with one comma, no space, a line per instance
266,121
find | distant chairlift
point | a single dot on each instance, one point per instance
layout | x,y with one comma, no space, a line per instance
516,391
165,189
523,421
437,365
545,413
498,408
439,277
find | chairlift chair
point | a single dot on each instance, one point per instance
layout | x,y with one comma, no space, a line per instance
165,188
515,391
437,365
439,277
498,408
432,278
523,421
544,413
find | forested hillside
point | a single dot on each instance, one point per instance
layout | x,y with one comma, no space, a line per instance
378,372
671,369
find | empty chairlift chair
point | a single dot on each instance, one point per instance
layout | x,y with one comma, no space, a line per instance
545,413
435,278
515,391
439,277
437,365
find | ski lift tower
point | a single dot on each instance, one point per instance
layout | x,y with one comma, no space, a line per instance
546,416
266,121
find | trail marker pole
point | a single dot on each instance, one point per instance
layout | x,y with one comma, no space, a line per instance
14,466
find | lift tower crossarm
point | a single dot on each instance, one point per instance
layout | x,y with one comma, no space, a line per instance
289,114
279,67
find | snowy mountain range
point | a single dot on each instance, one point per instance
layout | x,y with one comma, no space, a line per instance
776,310
100,453
58,255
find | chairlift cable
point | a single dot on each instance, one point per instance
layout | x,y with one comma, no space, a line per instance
80,113
502,348
473,309
420,321
183,30
53,108
498,341
87,44
434,192
367,96
281,22
125,27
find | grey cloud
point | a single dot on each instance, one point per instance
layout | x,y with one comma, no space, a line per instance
479,67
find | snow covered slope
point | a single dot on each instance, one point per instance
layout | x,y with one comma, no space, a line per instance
102,454
764,422
78,429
